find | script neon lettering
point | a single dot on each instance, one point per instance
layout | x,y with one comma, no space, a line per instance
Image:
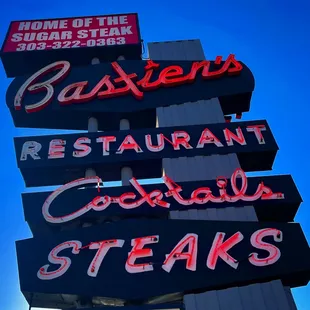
75,93
61,219
129,200
47,86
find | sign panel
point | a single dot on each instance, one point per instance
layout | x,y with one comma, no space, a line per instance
136,260
168,306
54,160
29,35
124,87
34,37
275,198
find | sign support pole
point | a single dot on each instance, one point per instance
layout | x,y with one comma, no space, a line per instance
92,127
126,172
264,296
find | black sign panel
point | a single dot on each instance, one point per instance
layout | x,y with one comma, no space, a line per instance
111,91
170,306
54,160
275,198
184,256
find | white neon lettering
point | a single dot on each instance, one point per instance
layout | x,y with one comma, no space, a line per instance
129,200
47,85
208,137
138,252
106,144
257,129
103,248
83,150
63,261
274,252
74,90
30,148
180,138
160,143
56,149
190,240
66,218
229,136
153,198
220,248
129,143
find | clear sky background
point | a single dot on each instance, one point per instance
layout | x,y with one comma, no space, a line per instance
271,37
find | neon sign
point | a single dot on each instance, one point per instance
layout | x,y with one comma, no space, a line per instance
124,84
63,158
153,258
116,145
156,198
219,251
282,208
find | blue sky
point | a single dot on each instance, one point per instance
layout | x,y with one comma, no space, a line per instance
271,37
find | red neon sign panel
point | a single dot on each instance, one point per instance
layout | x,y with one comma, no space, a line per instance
64,33
107,87
152,258
129,200
219,250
